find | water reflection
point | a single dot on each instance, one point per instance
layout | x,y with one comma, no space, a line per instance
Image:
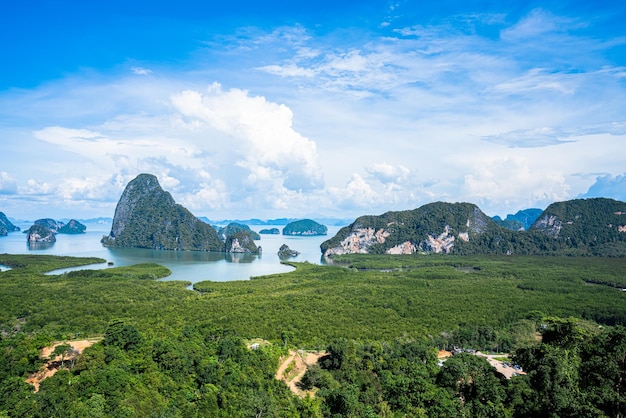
191,266
39,246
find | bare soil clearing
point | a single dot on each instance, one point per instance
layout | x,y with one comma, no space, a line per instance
507,370
57,363
293,367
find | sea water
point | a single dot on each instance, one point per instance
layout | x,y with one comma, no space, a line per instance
191,266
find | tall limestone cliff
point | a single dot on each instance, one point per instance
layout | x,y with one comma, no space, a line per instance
6,226
436,227
146,216
588,227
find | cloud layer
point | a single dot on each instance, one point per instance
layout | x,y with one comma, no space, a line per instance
506,112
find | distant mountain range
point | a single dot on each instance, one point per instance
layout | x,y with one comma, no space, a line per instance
522,220
577,227
274,222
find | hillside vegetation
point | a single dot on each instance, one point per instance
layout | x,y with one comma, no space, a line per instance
583,227
169,351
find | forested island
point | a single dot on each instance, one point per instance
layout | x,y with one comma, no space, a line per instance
305,227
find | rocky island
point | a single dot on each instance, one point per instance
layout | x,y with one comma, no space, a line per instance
146,216
40,234
72,227
241,242
285,252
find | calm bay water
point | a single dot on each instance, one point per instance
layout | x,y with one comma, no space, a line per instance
192,266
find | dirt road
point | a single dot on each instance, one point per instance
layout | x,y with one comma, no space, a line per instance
293,368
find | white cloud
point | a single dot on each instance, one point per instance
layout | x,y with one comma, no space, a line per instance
140,70
513,182
357,193
37,188
290,70
8,183
537,24
609,186
309,122
387,173
529,138
261,132
538,79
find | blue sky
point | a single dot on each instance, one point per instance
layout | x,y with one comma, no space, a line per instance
324,109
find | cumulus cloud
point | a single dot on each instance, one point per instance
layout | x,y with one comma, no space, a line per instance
261,133
357,193
513,182
8,183
37,188
608,186
387,173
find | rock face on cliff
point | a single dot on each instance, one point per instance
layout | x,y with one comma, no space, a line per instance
589,227
146,216
432,228
40,234
6,226
304,227
241,242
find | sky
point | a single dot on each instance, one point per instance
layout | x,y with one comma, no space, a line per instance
248,109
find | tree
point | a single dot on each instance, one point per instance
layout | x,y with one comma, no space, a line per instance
63,350
121,335
479,386
603,363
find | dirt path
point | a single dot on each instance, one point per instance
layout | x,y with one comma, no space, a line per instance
54,365
293,368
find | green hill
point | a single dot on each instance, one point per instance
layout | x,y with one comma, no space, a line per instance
577,227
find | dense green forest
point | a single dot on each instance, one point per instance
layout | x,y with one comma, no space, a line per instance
170,351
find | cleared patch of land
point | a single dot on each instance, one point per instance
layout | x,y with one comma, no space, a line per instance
58,362
293,368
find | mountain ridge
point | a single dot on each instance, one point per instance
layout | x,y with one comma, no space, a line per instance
590,227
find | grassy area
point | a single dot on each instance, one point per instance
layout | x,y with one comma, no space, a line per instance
363,297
